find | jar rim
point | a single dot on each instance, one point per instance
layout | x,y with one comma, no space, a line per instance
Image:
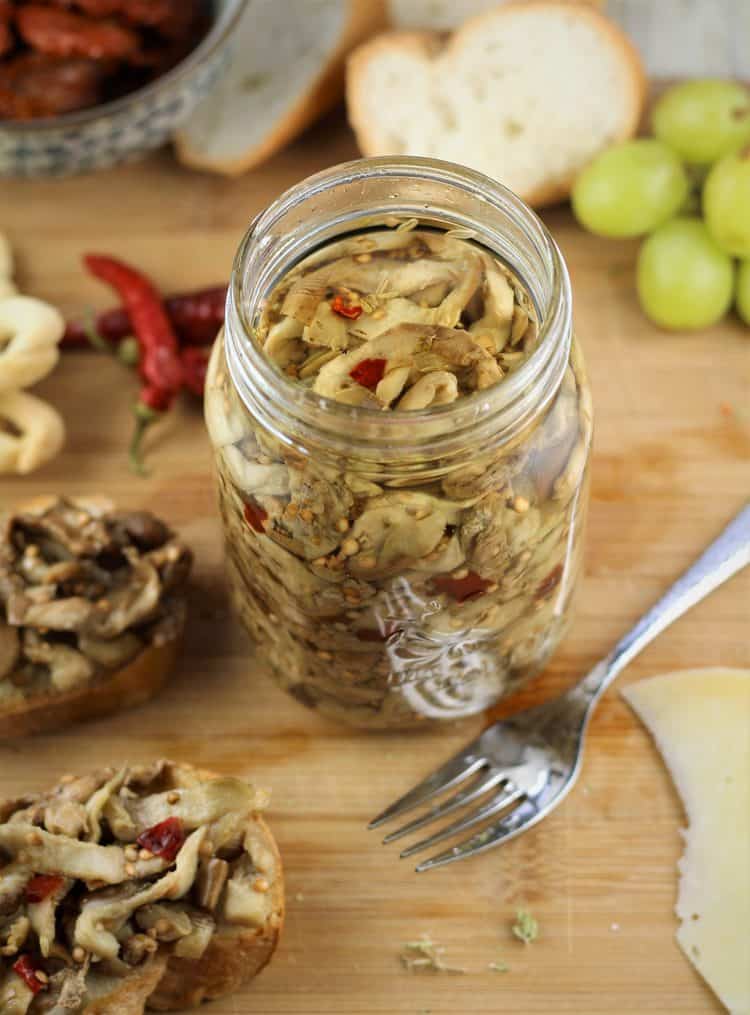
499,411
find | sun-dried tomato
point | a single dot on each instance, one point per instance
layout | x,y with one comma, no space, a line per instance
461,589
25,968
42,886
255,516
349,310
164,840
369,372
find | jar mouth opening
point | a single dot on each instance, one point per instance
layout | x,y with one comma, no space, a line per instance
298,222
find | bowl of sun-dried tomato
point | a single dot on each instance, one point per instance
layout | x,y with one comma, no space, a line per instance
86,84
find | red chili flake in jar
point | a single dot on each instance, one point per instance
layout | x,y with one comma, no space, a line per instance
369,373
255,516
369,634
164,840
376,635
462,589
349,310
550,583
42,886
25,967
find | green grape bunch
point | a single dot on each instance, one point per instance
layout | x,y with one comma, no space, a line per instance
686,190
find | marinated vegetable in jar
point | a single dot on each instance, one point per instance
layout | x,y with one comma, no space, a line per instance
419,564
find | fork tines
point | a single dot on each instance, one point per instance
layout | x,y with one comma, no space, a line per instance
467,763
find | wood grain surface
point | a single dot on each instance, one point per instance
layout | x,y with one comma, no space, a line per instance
672,465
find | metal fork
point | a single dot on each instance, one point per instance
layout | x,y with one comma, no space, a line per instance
532,759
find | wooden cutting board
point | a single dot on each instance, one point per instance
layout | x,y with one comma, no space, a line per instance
671,466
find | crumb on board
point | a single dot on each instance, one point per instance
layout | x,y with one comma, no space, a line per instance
526,928
425,955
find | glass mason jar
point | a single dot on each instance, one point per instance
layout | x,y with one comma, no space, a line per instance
490,490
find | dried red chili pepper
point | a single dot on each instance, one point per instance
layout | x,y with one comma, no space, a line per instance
461,589
196,317
111,325
255,515
369,373
165,839
42,886
160,366
349,310
195,365
25,967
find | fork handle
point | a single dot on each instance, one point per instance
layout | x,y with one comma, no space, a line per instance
724,557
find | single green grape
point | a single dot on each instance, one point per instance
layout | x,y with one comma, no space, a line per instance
742,297
703,120
726,203
685,280
630,189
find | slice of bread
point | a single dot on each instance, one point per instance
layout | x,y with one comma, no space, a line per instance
527,94
236,952
286,70
131,685
444,15
235,955
111,582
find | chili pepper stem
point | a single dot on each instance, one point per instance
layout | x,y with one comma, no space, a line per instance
144,417
128,351
93,337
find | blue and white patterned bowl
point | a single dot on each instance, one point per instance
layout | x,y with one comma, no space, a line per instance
128,127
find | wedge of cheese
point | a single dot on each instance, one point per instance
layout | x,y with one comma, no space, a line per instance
700,720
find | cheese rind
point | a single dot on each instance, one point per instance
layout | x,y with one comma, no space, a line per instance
700,720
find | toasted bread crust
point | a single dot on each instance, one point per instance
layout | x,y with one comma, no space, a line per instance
364,18
235,956
131,685
423,45
559,191
428,44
